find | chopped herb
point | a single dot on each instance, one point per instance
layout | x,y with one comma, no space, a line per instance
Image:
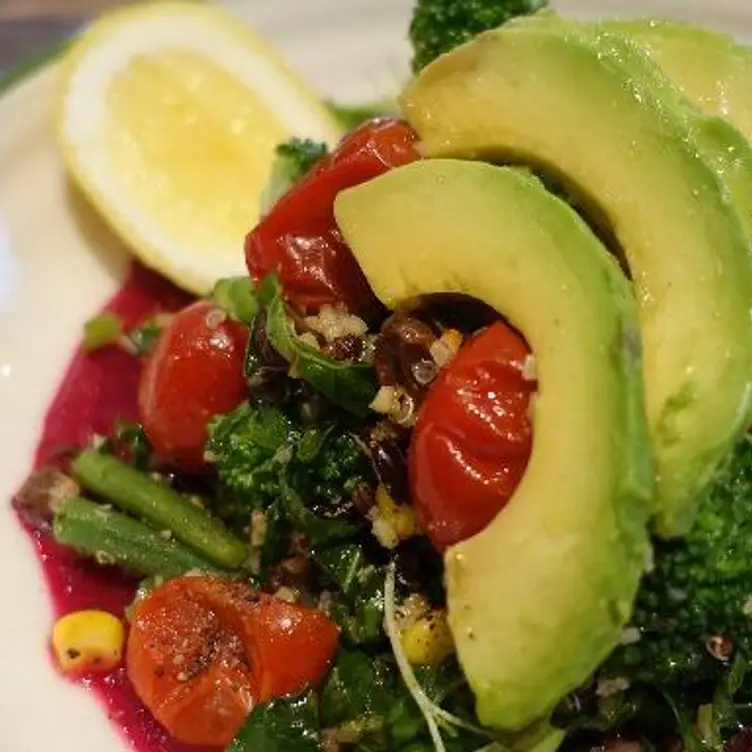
317,529
282,726
145,335
101,331
236,296
349,385
294,159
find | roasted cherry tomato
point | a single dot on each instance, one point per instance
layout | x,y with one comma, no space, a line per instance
203,651
300,240
472,441
194,373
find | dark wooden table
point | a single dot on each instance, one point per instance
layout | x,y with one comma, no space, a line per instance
27,27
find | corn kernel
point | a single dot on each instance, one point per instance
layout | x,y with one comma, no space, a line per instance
400,518
428,640
88,641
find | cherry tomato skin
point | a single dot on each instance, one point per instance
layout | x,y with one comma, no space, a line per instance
292,648
203,651
200,696
472,440
299,239
194,373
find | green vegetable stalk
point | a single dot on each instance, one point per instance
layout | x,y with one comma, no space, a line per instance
114,538
140,495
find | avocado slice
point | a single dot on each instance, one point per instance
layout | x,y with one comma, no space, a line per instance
721,144
712,70
539,598
632,161
713,73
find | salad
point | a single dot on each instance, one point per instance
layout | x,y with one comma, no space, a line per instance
460,461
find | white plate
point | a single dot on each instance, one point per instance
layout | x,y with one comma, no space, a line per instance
58,265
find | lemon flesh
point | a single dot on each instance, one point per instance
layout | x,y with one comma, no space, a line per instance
169,120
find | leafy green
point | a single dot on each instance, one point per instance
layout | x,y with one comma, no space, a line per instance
441,25
720,717
236,296
108,329
275,544
365,695
293,160
281,726
266,460
358,600
318,530
145,335
352,386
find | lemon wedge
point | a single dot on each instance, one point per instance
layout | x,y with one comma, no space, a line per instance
170,115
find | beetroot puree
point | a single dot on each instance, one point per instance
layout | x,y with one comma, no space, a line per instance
96,390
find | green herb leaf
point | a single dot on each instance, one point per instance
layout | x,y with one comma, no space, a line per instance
689,736
275,539
101,331
236,296
319,530
352,386
358,606
281,726
294,159
145,335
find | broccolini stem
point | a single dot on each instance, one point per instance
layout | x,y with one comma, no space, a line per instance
137,493
113,538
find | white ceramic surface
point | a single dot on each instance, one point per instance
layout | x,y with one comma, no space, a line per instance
58,265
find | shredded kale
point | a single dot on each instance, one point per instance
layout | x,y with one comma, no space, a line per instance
364,697
266,460
351,386
289,725
357,591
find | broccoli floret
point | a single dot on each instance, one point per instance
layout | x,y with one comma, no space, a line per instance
255,447
294,159
441,25
695,607
248,450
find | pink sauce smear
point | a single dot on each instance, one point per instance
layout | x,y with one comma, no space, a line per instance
97,389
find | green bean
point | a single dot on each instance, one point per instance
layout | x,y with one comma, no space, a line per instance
111,537
142,496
